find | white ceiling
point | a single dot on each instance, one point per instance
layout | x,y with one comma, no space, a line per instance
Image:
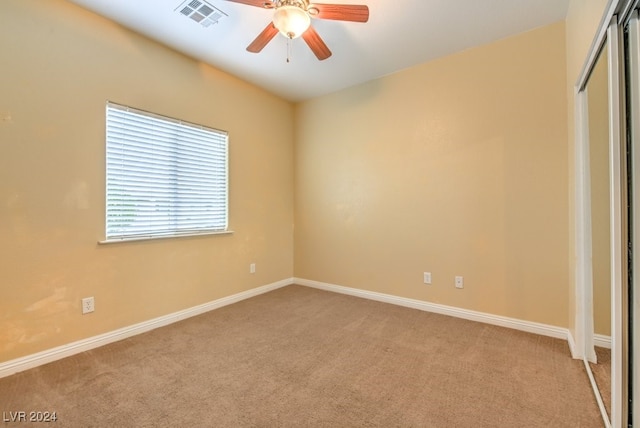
399,34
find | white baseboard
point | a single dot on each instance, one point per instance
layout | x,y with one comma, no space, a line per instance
24,363
602,341
528,326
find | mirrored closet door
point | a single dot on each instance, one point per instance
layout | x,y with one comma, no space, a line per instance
608,112
597,107
632,69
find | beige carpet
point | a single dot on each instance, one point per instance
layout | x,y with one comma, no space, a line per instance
300,357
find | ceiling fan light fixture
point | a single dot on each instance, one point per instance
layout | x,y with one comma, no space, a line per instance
291,21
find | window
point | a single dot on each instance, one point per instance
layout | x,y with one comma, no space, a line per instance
165,177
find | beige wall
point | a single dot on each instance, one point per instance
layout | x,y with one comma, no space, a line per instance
583,18
457,167
60,65
598,109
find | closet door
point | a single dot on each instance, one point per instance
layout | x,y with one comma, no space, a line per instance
632,51
619,228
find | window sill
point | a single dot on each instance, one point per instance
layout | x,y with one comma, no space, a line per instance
151,238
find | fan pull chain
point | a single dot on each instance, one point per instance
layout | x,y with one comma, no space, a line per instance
288,49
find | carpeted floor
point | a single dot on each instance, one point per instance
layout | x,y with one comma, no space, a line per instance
303,357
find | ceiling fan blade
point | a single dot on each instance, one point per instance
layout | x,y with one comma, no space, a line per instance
316,44
342,12
263,38
265,4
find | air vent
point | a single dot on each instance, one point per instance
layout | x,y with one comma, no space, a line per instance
201,12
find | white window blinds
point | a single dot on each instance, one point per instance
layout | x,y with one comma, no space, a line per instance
165,177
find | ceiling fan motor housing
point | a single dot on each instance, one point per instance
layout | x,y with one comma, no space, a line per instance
302,4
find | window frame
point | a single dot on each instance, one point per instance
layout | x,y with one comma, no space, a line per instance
167,232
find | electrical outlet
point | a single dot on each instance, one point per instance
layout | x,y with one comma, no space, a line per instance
252,268
88,305
427,277
459,282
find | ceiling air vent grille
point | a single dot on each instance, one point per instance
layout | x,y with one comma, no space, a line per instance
201,12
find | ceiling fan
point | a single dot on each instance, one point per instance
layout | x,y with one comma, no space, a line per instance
292,18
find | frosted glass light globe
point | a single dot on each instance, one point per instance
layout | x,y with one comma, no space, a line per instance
291,21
